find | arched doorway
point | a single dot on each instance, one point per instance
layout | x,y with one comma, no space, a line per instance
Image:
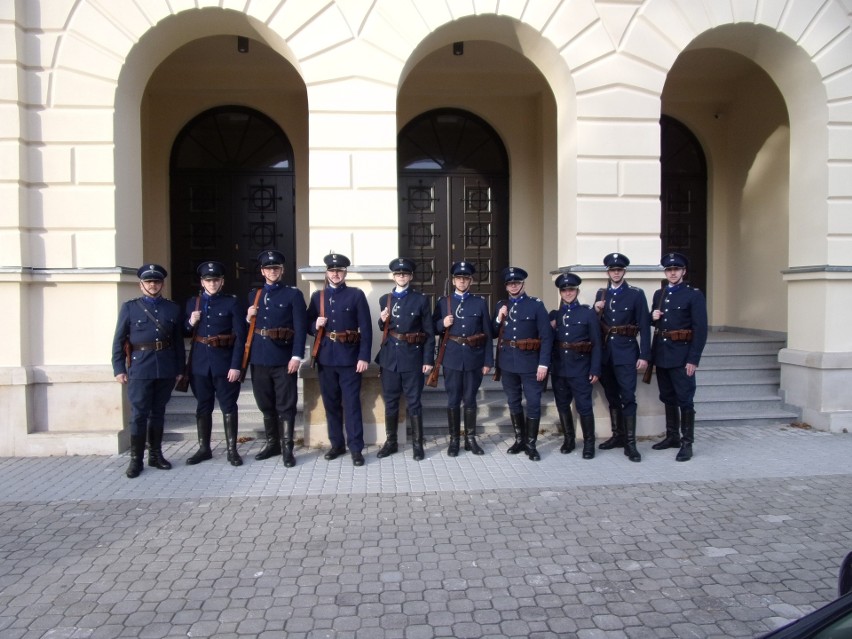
232,195
683,227
454,199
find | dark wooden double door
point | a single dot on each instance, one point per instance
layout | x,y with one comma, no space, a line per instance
230,216
447,218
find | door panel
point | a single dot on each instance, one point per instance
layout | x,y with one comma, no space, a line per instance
229,217
449,218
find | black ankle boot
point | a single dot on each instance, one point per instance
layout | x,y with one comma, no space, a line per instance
286,430
519,426
391,445
470,442
155,447
273,439
687,433
569,433
587,424
204,426
454,421
630,439
137,456
416,422
617,440
672,439
231,430
532,438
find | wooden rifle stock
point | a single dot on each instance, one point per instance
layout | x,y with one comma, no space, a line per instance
320,331
249,337
649,370
182,384
432,380
497,375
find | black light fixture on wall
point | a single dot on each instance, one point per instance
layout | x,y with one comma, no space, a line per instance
242,44
458,48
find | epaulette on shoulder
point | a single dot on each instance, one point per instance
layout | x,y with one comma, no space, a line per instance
586,306
537,299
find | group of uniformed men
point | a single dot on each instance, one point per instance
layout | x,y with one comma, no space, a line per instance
574,345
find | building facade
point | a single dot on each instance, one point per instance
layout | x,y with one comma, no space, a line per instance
541,133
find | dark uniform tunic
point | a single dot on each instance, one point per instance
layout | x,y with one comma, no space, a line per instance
222,316
154,324
410,346
527,319
571,368
275,389
463,362
347,310
624,306
683,308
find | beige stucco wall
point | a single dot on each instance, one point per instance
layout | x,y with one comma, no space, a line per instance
82,179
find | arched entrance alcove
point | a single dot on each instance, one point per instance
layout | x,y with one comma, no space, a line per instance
453,187
739,118
252,107
232,195
510,77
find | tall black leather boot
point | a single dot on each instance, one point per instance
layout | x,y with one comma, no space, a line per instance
532,438
273,439
137,456
519,426
155,446
617,440
687,433
416,422
672,439
286,433
391,445
204,426
569,433
454,421
587,424
630,439
470,442
231,430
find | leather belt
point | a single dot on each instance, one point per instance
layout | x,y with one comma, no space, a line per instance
344,337
529,344
152,346
677,335
217,341
282,333
473,341
579,347
627,330
409,338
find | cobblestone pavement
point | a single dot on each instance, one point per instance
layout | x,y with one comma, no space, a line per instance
743,538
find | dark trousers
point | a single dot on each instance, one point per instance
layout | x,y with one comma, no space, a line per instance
462,386
274,391
396,384
341,392
519,386
619,384
148,399
676,387
577,388
208,387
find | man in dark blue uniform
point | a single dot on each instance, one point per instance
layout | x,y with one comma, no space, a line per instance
277,350
339,316
406,354
680,319
623,309
217,323
524,348
465,321
576,363
149,328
